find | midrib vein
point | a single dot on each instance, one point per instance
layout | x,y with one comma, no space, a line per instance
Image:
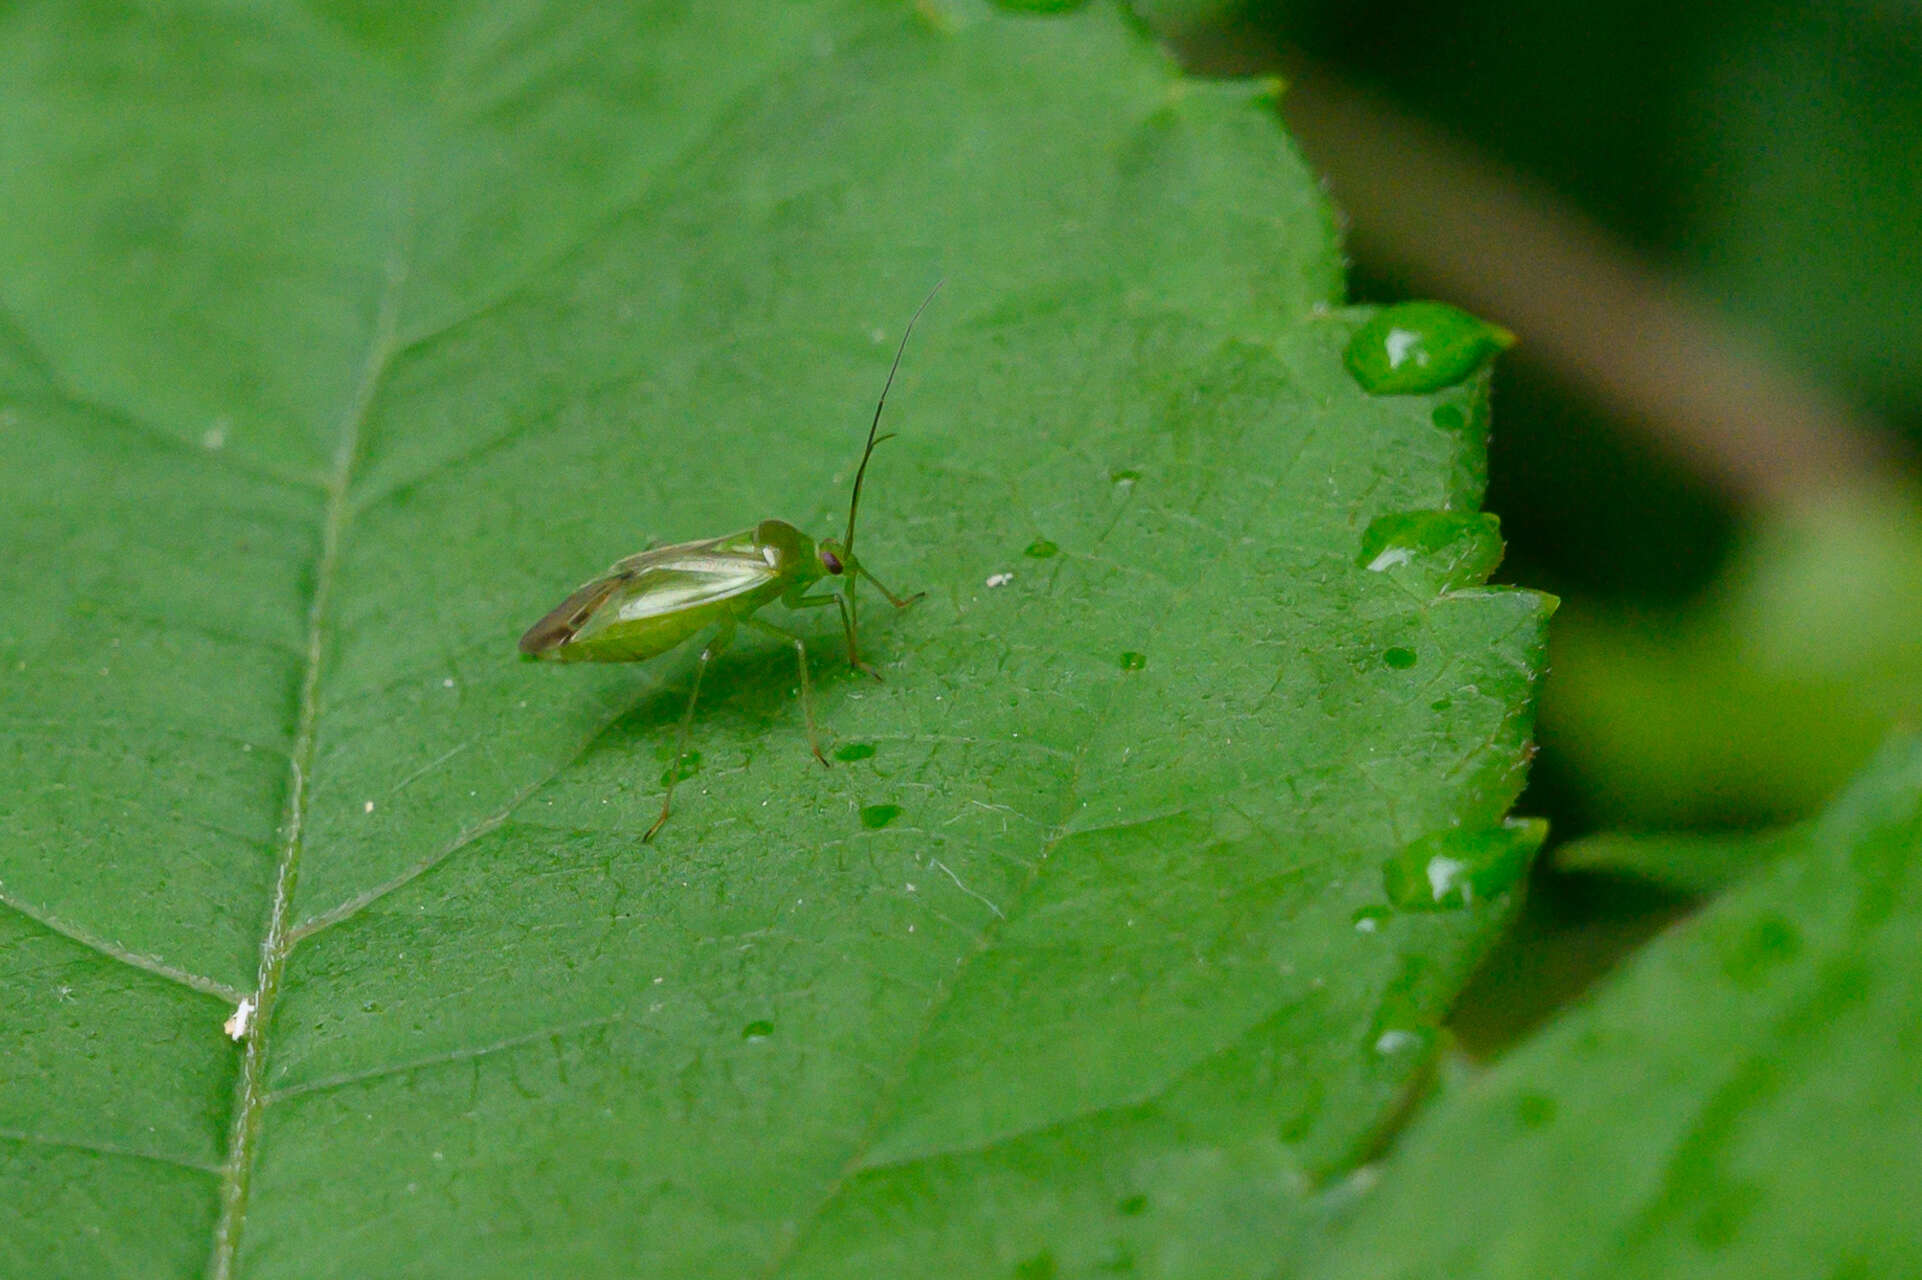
250,1093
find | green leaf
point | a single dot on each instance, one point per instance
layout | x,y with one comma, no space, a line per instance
1740,1102
1691,862
341,342
1759,703
1784,116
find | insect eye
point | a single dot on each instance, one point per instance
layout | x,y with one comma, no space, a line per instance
832,561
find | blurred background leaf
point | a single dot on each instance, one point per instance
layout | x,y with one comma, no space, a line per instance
1739,1102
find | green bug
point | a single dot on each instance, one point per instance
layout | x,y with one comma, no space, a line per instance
655,600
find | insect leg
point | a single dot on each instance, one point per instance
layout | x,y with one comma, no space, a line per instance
807,702
847,624
898,602
722,635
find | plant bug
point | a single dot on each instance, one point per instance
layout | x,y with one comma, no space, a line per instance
657,599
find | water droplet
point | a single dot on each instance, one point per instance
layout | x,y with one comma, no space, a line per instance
876,816
1132,661
1417,347
759,1029
1730,1202
1041,6
855,751
1040,549
688,765
1397,1041
1040,1267
1124,475
1399,659
1446,549
1370,919
1534,1110
1449,417
1462,865
1749,955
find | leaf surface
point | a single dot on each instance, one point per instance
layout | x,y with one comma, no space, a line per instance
342,342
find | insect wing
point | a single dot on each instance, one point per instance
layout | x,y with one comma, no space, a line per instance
661,580
566,619
688,576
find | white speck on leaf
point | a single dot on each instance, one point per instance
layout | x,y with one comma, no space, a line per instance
368,807
243,1017
1000,579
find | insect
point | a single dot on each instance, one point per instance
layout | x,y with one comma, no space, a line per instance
659,598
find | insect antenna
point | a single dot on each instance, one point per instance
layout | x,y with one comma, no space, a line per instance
854,503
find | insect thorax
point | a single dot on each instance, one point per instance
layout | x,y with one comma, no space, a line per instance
789,552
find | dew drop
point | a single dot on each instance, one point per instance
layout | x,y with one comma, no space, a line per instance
876,816
1449,417
1041,6
1370,919
688,765
759,1029
1461,866
1399,659
1040,1267
1447,549
1417,347
1750,955
1397,1041
1124,475
855,751
1534,1110
1132,661
1040,549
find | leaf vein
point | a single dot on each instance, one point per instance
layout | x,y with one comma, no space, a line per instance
276,941
114,951
28,1138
